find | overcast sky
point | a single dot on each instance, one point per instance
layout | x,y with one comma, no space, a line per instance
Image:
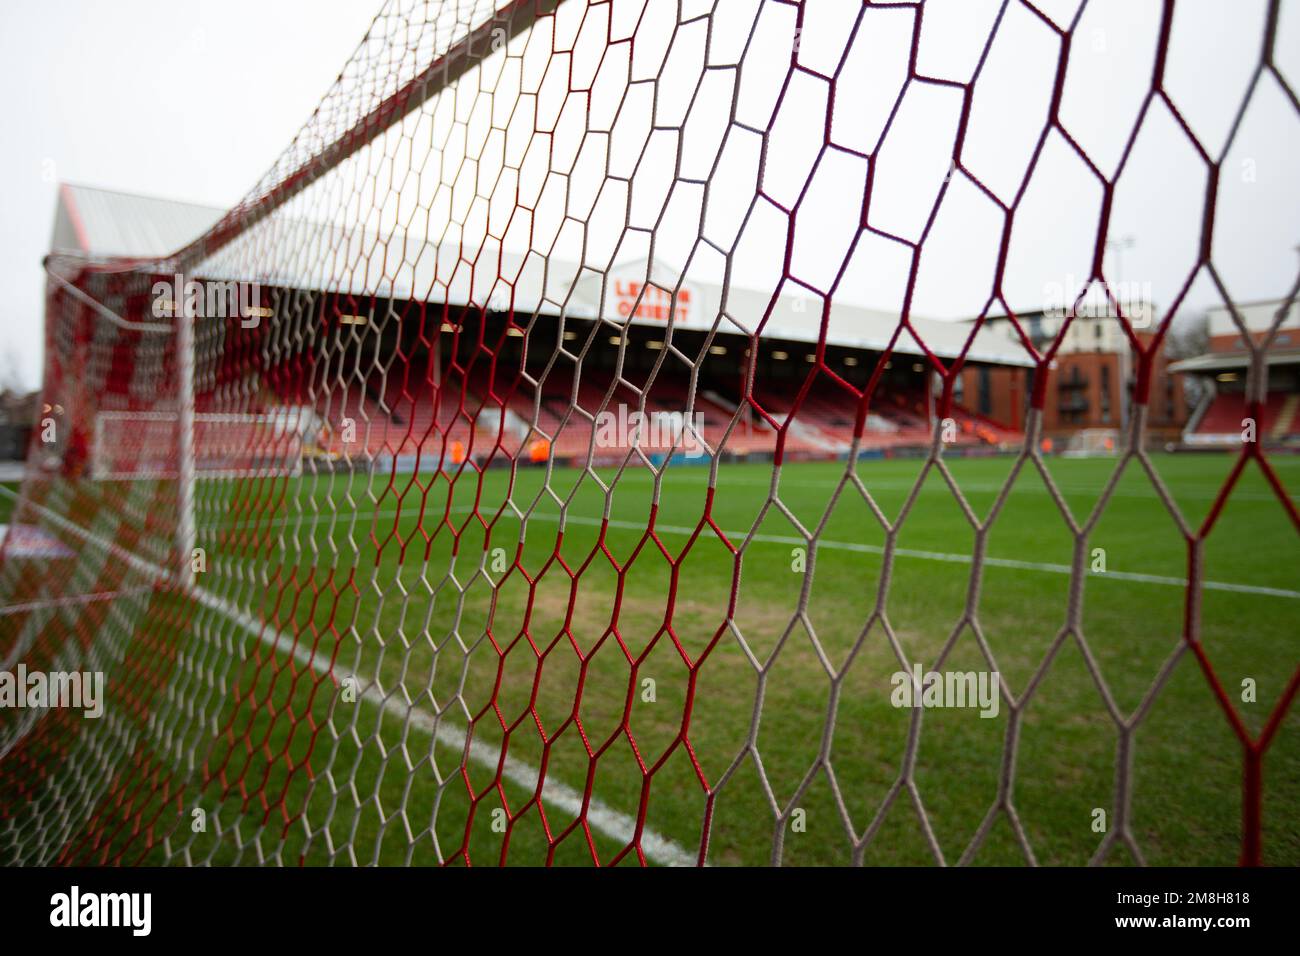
195,100
186,99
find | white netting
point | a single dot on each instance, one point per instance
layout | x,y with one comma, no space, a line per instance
583,330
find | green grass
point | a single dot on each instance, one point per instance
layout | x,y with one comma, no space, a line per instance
6,502
508,651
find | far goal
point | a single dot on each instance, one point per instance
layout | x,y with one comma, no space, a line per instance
143,445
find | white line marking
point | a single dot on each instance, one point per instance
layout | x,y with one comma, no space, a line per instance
699,476
603,818
70,600
1041,566
940,556
620,826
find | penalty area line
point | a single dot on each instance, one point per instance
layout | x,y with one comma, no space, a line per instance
952,558
1012,563
614,824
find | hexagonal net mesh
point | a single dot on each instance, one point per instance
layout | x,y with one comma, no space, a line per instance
558,455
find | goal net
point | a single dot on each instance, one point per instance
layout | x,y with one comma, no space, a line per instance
1094,441
613,401
143,445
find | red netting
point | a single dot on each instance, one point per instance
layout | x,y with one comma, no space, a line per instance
457,496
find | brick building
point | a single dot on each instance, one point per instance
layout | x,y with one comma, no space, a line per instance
1090,380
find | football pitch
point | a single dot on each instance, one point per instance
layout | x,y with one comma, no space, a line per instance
561,651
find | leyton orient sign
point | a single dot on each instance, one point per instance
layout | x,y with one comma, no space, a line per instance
650,303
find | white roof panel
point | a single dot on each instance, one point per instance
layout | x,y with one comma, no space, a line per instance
331,258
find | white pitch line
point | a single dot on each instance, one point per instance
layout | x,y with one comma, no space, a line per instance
603,818
1202,493
1041,566
938,556
69,601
